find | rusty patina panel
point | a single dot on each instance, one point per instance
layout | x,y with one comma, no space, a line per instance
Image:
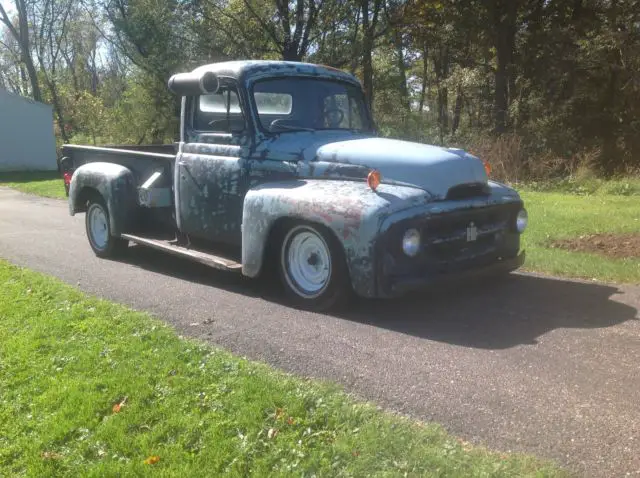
236,187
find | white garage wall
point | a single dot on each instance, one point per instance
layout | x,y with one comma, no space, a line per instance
27,142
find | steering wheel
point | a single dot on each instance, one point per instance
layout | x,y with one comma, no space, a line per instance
280,122
334,116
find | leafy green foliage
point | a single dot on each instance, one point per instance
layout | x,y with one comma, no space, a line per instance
561,76
89,388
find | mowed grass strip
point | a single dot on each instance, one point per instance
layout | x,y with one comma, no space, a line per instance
90,388
43,183
562,216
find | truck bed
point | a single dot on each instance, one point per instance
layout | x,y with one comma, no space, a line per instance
142,160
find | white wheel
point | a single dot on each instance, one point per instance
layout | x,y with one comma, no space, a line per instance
98,226
306,262
312,267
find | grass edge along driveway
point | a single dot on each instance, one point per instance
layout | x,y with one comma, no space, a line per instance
42,183
91,388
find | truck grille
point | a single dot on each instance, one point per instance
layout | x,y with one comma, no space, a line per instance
446,236
446,250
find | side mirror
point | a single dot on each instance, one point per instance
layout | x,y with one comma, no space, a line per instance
194,84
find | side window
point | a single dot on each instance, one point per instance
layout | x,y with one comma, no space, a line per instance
219,112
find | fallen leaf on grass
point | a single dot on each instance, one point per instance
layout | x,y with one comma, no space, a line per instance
118,406
152,460
273,432
290,421
50,455
466,446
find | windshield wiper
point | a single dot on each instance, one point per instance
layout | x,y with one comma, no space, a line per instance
351,130
294,128
279,124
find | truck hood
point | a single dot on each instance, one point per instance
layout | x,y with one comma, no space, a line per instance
432,168
344,154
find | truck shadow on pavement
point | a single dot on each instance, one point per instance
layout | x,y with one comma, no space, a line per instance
498,314
495,314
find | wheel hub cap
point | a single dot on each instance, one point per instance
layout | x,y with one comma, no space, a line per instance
309,263
99,227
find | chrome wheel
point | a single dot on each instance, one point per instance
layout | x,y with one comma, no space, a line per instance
306,262
98,226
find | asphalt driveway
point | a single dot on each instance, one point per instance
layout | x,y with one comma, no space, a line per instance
535,364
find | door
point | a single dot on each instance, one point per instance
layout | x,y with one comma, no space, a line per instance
212,177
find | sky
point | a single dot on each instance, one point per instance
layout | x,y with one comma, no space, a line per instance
8,6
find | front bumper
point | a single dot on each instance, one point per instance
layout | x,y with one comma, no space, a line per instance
446,253
402,284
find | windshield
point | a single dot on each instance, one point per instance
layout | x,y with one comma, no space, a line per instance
309,104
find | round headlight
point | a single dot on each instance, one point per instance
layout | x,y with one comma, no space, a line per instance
522,220
411,242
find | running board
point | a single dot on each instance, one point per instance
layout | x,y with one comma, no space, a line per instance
205,258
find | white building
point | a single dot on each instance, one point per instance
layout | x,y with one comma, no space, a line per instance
27,141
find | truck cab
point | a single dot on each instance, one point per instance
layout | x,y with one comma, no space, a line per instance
279,168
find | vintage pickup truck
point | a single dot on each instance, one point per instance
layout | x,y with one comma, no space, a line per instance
279,168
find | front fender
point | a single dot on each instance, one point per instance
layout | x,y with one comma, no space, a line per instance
115,183
349,209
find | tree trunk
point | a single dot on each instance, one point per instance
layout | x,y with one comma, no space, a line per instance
21,35
441,69
402,70
367,61
504,18
425,78
368,31
58,110
457,110
609,127
354,44
33,77
290,53
25,46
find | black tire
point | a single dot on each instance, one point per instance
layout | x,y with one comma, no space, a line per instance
106,246
330,292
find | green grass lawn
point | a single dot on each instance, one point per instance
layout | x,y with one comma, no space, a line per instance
90,388
558,216
42,183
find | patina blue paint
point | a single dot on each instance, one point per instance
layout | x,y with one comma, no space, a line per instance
350,210
114,183
234,187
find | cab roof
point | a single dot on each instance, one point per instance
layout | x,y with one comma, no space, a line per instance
248,70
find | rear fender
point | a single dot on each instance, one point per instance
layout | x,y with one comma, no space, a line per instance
115,183
349,209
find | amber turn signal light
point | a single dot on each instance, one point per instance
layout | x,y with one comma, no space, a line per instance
487,167
373,179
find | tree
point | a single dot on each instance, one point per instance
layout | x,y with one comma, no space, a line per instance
504,14
22,36
370,11
50,17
